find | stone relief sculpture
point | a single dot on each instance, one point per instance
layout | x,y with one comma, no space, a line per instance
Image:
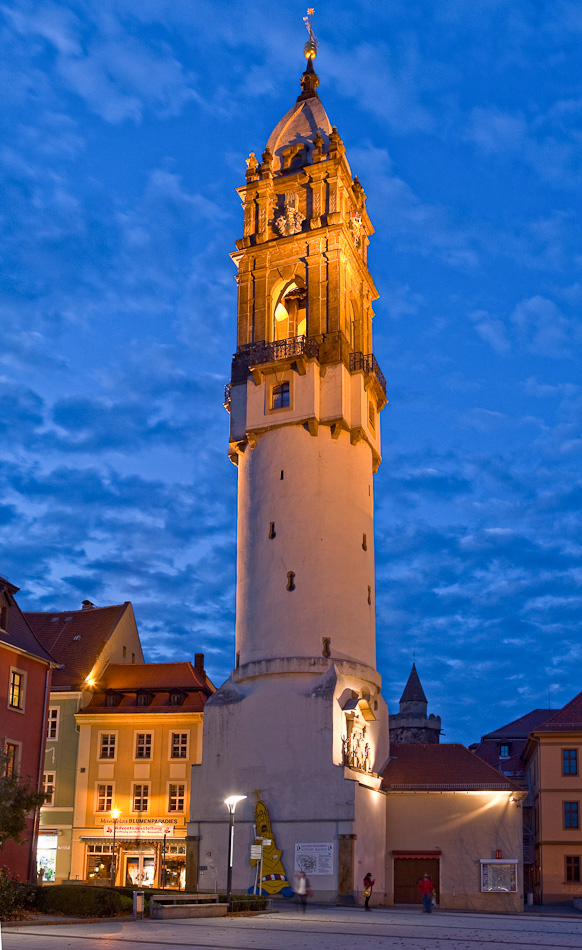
291,220
355,747
355,226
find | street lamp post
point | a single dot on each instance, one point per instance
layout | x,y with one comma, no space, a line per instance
164,861
231,804
115,813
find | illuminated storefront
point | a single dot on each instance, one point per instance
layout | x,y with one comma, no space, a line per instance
145,857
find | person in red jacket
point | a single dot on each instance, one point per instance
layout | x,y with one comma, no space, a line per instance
426,892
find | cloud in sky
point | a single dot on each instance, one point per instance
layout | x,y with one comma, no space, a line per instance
126,127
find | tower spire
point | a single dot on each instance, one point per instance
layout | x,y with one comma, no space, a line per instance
309,79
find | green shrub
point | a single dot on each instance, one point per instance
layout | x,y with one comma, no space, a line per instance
78,900
126,902
246,901
15,898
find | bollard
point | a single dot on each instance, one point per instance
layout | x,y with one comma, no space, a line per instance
138,904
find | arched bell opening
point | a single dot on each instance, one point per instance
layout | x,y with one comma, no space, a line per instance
290,311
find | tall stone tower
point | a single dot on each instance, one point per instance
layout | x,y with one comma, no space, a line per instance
412,722
301,716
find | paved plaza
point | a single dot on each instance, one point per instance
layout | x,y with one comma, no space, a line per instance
319,929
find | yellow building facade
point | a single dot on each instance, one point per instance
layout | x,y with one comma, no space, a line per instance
138,739
554,755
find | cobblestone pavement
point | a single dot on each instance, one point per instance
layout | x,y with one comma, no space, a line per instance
319,929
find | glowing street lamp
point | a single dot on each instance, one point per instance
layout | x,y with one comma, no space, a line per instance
231,804
115,813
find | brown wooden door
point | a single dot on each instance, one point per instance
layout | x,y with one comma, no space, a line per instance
407,872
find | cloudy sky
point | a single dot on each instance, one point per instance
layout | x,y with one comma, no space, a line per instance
126,124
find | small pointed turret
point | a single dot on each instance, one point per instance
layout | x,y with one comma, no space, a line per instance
412,723
413,692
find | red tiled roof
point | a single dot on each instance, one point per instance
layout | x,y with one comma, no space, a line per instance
18,631
448,766
569,718
154,676
159,679
520,728
75,638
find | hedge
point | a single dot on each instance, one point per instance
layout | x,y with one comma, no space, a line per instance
246,901
15,898
79,900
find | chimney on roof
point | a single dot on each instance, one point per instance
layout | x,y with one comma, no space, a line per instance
199,662
87,605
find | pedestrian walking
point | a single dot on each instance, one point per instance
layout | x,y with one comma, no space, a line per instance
368,888
426,892
302,889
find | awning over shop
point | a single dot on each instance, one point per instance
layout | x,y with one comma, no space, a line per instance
420,855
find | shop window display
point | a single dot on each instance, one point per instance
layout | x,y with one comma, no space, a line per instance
46,857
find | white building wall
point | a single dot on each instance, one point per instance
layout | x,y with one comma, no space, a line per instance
275,732
370,844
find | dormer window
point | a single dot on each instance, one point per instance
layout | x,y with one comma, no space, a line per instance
504,750
144,699
112,699
176,698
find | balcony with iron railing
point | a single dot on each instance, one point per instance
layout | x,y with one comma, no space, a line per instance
268,352
329,348
368,364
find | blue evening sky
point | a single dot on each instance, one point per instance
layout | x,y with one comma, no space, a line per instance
125,128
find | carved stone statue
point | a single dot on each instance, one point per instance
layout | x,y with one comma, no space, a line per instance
290,221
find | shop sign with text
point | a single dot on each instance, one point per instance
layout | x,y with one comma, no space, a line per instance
125,830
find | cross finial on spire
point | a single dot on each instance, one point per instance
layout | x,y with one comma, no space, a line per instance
310,48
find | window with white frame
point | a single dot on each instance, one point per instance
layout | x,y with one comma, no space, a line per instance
104,798
52,725
141,797
16,689
179,745
107,743
48,787
143,745
176,797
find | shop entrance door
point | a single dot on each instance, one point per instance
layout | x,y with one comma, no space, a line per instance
408,872
140,870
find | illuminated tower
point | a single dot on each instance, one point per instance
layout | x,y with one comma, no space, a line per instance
302,715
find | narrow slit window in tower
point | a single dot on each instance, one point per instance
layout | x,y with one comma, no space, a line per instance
282,474
290,580
272,532
369,594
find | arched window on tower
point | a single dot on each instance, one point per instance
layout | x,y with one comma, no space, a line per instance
290,316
